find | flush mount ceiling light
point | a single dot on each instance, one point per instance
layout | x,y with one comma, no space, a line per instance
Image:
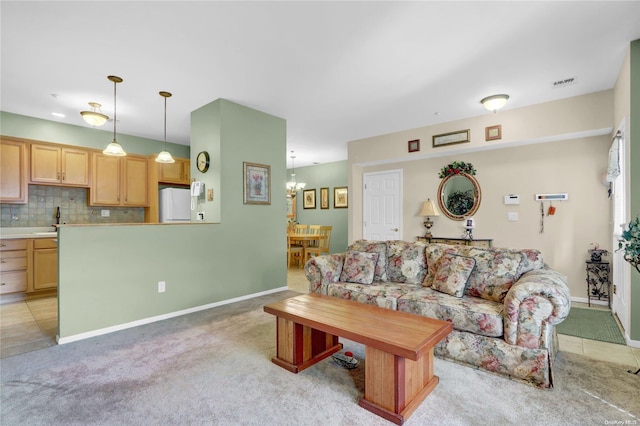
95,117
114,148
165,156
495,102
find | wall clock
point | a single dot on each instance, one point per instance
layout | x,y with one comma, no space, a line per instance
202,161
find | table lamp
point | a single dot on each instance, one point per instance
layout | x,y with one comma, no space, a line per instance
428,211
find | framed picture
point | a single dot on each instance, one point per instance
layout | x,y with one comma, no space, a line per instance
461,136
257,183
309,198
324,198
340,197
493,133
414,145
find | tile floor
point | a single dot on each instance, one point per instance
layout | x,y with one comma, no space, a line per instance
32,325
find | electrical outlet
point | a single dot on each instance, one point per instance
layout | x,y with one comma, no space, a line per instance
512,216
162,286
105,213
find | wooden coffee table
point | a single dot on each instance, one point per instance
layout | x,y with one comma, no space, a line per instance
399,347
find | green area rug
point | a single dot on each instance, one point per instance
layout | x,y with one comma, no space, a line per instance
592,324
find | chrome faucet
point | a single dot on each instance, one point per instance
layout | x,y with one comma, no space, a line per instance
58,216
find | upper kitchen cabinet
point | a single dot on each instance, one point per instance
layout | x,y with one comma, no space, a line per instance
119,181
177,173
53,165
13,171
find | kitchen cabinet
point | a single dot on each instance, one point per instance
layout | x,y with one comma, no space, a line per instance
45,264
54,165
177,172
13,171
13,266
119,181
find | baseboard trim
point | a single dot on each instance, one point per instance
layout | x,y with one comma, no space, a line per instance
119,327
593,302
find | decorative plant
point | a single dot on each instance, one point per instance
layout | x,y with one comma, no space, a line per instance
630,243
457,167
596,252
460,202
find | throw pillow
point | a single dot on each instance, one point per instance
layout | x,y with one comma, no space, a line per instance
379,247
495,272
452,274
359,267
406,262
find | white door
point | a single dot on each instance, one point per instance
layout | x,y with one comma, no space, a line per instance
620,268
382,211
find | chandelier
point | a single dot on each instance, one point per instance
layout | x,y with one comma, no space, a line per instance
292,185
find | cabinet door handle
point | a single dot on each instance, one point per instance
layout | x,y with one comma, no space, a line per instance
63,176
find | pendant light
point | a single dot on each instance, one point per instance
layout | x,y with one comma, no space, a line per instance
114,148
95,117
165,156
292,185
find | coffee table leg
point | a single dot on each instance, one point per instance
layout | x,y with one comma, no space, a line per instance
395,386
299,347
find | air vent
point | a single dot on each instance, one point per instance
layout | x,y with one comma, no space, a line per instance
558,84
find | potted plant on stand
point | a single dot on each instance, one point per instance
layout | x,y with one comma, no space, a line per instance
630,243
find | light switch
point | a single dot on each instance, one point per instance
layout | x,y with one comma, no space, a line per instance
512,216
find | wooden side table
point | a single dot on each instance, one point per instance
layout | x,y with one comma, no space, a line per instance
477,242
598,281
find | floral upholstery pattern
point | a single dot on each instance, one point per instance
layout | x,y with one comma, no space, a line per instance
384,295
406,262
379,247
472,314
505,324
452,274
359,267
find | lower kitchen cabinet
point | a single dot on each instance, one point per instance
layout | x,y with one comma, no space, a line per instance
13,266
45,264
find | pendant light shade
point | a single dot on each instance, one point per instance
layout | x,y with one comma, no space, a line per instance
165,156
95,117
114,148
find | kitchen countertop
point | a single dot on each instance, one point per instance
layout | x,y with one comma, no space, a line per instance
35,232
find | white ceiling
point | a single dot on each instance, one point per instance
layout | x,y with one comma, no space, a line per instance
336,71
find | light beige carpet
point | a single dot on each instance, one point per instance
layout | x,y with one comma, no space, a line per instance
213,367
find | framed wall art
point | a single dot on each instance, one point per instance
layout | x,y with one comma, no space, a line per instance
257,183
324,198
493,133
461,136
309,198
340,197
414,145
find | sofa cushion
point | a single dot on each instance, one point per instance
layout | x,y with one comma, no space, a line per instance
531,259
406,261
495,272
384,295
432,253
359,267
470,314
379,247
452,274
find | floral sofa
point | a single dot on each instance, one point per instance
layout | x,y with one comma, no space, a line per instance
504,304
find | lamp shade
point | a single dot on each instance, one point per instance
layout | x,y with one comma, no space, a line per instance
115,149
165,158
94,117
429,209
495,102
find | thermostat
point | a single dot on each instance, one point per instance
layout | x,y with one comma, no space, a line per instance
512,199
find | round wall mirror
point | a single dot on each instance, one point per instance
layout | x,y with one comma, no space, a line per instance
459,196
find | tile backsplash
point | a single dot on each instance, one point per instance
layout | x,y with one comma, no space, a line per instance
44,200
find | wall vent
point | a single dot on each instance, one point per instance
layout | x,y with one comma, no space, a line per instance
558,84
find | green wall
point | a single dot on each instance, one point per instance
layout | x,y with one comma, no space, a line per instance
21,126
634,135
322,176
108,275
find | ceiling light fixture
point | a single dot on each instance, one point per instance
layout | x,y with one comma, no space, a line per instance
165,156
114,148
495,102
95,117
292,185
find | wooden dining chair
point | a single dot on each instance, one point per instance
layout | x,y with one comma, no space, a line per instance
294,252
302,229
323,243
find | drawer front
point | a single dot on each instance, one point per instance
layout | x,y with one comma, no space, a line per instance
42,243
13,260
12,282
13,245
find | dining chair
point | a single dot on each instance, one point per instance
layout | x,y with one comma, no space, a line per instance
294,252
323,243
302,229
